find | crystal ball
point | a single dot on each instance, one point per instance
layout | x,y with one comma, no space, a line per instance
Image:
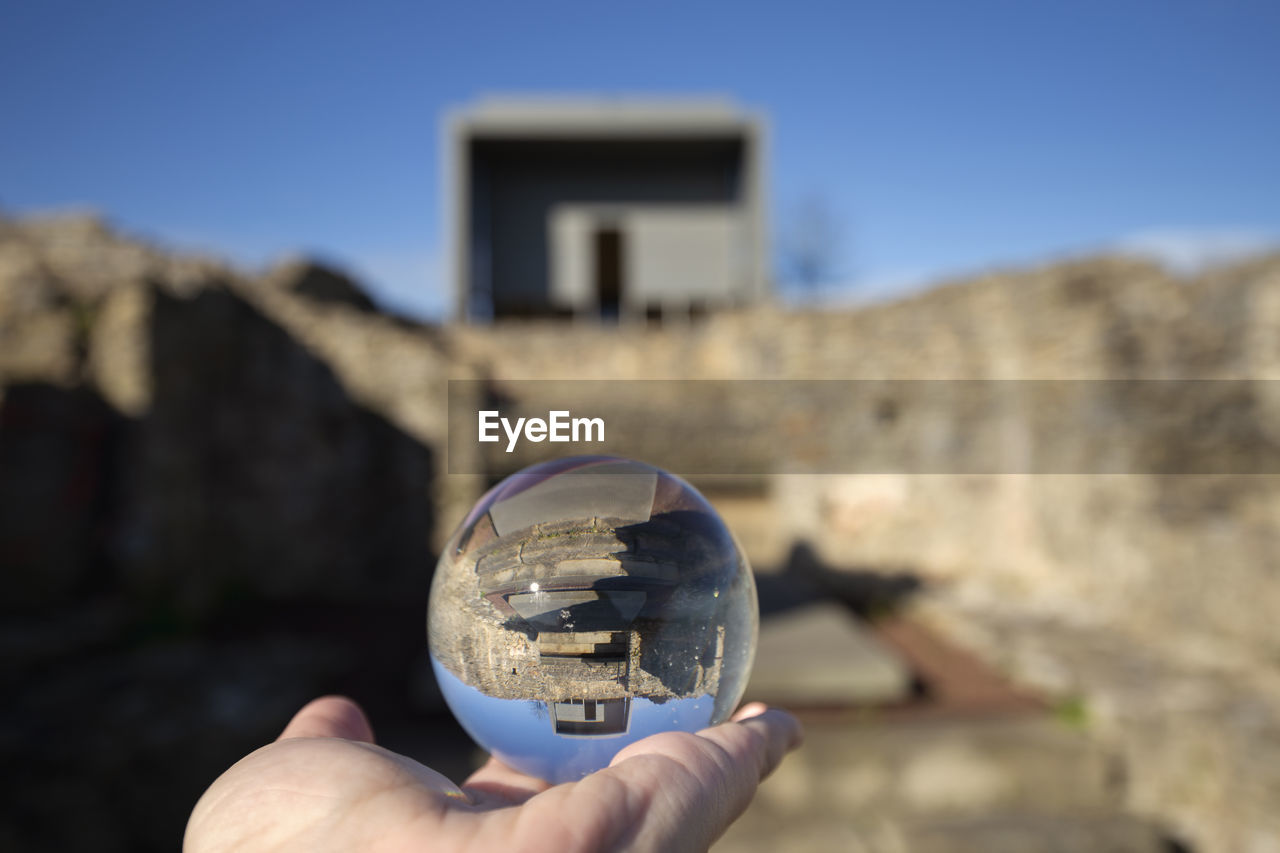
584,604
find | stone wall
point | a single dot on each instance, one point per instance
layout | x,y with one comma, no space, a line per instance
188,437
226,394
184,415
1175,556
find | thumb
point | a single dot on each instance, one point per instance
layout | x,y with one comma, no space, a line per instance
330,716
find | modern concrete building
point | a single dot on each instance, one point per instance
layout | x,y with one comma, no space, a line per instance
591,717
604,208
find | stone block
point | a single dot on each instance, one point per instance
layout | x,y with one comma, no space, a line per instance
821,654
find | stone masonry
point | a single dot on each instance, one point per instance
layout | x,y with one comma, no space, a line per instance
190,435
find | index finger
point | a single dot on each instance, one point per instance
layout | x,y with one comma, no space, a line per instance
684,789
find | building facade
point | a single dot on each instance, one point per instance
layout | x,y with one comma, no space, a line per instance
609,209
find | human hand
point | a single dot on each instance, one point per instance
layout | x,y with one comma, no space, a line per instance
325,785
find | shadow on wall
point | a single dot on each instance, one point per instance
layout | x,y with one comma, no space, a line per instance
805,579
59,493
261,475
180,583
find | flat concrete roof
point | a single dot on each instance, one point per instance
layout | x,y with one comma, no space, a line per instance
600,116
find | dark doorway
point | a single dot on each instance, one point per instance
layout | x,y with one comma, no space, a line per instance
608,271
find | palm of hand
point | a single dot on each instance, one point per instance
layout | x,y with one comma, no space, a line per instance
325,785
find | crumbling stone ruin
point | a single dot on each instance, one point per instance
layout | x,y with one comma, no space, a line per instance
186,437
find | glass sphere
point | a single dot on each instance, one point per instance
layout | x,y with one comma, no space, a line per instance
587,603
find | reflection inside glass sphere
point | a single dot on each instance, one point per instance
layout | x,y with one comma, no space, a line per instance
587,603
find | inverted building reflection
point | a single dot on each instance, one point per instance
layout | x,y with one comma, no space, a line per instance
585,589
583,614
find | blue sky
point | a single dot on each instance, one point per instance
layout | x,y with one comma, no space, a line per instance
520,731
942,137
